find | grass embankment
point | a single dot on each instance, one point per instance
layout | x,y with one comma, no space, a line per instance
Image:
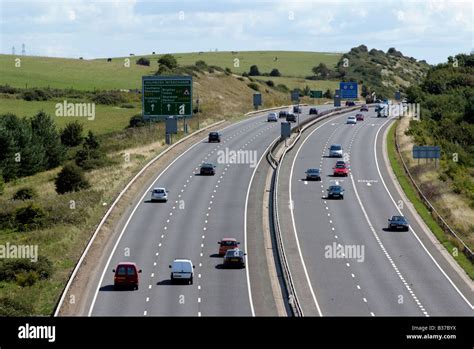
410,192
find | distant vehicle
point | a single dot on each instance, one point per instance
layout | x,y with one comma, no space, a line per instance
398,222
351,120
364,108
126,275
313,174
341,162
272,117
159,194
359,117
234,258
335,151
291,118
214,137
207,169
182,270
382,110
350,103
296,109
227,244
313,111
283,114
335,192
341,170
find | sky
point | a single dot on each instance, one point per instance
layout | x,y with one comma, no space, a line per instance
425,29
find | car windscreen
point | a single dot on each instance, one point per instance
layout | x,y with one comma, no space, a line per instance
336,147
229,243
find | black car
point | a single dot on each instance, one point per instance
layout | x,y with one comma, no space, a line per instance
364,108
283,114
234,258
350,103
313,174
335,192
398,222
207,169
291,118
214,137
313,111
296,109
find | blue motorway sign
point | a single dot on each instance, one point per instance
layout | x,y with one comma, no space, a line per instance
348,90
426,152
257,99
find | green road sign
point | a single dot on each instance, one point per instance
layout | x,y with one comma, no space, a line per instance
164,96
316,94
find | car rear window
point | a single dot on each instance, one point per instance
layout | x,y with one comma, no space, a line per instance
340,166
229,243
158,191
121,270
130,270
336,147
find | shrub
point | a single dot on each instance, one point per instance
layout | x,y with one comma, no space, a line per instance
29,217
275,72
71,178
227,70
168,61
26,279
136,121
254,86
8,89
13,307
71,136
36,94
201,64
270,83
26,193
254,71
282,88
10,268
108,98
2,184
143,61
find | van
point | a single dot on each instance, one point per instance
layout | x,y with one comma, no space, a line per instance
182,270
126,275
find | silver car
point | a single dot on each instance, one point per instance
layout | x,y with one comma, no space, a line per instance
272,117
159,194
335,151
351,120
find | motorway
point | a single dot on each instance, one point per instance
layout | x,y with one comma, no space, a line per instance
200,211
380,273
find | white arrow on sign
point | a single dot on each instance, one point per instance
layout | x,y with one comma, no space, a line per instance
152,107
169,105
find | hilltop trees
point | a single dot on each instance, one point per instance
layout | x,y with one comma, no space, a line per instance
167,63
254,71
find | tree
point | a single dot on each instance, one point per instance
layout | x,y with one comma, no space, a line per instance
26,193
43,126
328,94
201,64
168,61
275,72
91,141
321,70
29,217
306,90
71,178
71,136
143,61
254,71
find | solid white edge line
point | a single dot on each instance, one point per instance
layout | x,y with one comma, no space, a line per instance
411,229
308,280
91,308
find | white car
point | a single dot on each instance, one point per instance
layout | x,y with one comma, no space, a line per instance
182,270
159,194
272,117
351,120
335,151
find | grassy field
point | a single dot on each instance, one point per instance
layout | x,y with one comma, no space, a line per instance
292,83
107,118
410,192
100,74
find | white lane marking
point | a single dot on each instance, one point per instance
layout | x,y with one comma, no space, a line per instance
144,313
147,299
308,280
411,229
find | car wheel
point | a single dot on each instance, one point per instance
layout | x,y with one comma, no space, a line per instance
191,281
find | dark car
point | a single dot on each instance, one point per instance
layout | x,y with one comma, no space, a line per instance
126,275
313,174
296,109
364,108
398,222
282,114
335,192
313,111
359,117
214,137
350,103
207,169
234,258
291,118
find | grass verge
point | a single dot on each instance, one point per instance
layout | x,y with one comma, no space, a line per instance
412,195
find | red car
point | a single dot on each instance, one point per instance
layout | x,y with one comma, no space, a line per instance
341,169
227,244
126,275
360,117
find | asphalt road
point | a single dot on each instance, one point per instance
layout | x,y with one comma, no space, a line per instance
379,272
201,210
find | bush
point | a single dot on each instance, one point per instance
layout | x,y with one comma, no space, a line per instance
254,86
71,136
10,268
136,121
127,106
26,279
2,184
36,94
227,70
13,307
168,61
108,98
275,72
143,61
328,94
270,83
282,88
8,89
26,193
71,178
201,64
29,217
254,71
